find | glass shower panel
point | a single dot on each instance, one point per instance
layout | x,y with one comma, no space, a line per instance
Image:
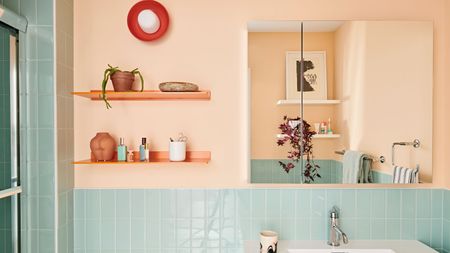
8,154
5,119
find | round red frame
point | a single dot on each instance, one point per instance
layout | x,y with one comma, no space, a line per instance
158,9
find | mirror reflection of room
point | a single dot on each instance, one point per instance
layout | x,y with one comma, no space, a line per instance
359,126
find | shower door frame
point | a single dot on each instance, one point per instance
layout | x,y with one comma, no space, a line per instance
16,188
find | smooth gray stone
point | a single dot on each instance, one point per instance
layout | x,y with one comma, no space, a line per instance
177,86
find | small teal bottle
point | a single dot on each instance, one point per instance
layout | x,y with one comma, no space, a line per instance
122,151
142,150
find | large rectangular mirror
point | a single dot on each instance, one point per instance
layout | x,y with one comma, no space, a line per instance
363,90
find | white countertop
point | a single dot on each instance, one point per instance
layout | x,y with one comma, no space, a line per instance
398,246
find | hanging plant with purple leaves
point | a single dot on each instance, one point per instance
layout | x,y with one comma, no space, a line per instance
290,134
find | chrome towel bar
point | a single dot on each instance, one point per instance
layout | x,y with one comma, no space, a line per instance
381,159
415,143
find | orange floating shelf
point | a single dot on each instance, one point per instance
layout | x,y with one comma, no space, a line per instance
157,157
145,95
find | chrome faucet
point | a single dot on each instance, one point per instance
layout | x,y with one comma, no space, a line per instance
335,233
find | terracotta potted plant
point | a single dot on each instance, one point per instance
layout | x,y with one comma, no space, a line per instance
121,80
291,134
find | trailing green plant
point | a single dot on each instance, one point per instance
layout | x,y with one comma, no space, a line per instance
299,140
108,73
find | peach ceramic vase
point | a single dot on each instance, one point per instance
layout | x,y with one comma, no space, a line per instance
103,146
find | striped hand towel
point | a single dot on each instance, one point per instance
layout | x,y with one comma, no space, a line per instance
404,175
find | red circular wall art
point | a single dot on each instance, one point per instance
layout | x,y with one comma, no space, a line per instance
148,20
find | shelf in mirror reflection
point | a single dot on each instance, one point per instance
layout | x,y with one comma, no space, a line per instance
308,102
318,136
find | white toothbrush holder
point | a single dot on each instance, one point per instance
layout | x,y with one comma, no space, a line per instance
177,151
268,242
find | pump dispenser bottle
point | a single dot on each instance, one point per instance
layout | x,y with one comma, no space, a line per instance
122,151
142,149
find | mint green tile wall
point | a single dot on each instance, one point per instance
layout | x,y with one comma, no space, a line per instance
269,171
37,132
381,178
219,220
446,230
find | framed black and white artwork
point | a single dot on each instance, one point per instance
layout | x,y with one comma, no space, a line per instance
315,75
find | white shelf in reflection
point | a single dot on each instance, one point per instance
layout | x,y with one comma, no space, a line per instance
318,136
326,136
308,102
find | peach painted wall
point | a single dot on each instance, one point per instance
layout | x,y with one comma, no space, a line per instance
207,44
267,58
447,88
386,96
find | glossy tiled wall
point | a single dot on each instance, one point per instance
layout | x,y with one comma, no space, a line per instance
446,222
265,171
269,171
220,220
382,178
37,127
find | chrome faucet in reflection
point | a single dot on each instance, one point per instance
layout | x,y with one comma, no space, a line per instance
335,233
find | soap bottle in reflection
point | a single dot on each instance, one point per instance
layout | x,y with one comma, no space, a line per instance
147,152
142,149
121,151
323,128
330,131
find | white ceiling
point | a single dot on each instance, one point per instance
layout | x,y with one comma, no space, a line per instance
293,26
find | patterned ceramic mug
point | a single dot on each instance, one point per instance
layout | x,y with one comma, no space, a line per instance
268,241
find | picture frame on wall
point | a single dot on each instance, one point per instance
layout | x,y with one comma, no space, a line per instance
315,74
